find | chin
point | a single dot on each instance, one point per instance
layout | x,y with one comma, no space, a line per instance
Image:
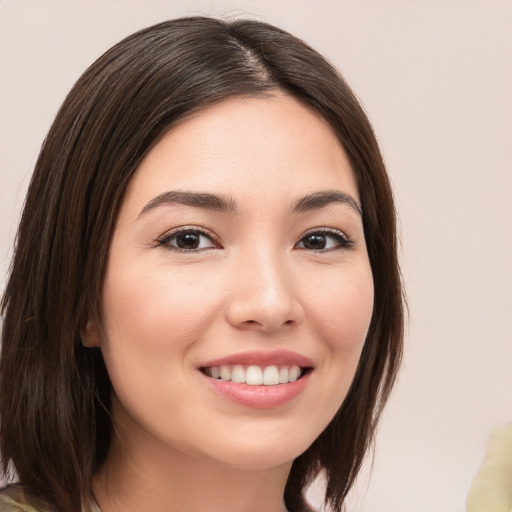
261,453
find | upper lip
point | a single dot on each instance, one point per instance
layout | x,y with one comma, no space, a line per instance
261,358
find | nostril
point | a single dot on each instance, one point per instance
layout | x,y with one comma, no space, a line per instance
255,313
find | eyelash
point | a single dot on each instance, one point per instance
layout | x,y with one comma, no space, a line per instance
165,240
341,241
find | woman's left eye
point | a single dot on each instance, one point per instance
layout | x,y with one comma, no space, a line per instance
188,240
324,240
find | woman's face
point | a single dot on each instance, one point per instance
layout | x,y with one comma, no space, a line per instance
238,251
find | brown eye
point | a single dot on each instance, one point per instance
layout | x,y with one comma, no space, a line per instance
324,241
314,242
188,240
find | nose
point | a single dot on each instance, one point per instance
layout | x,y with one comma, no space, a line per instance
263,294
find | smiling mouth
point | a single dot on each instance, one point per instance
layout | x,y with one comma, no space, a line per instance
254,375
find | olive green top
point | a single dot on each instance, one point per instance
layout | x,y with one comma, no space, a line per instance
14,499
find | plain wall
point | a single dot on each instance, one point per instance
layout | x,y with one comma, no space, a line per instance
435,78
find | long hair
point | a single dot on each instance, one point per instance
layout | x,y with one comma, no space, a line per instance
55,393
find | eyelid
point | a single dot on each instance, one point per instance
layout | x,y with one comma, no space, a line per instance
347,241
323,229
162,241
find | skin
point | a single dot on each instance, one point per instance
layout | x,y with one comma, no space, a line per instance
253,284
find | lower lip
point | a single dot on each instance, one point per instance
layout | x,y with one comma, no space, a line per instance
259,397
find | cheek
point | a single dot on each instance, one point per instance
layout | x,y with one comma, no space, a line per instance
151,319
340,310
151,307
344,309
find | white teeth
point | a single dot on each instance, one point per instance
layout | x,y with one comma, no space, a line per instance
271,376
225,373
255,375
293,373
238,374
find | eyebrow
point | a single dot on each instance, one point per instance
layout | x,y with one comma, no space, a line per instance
225,204
325,198
198,199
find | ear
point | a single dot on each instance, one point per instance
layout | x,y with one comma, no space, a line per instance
90,335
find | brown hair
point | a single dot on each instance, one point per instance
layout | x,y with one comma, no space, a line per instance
54,392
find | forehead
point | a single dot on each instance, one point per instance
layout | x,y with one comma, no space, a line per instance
251,148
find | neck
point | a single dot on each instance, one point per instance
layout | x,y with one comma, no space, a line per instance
144,475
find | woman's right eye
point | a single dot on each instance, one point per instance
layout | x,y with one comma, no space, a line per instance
188,240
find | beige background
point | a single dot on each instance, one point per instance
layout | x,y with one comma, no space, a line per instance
435,77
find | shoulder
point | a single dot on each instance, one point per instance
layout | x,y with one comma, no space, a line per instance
14,499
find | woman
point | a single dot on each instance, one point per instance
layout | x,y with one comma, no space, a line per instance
204,310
